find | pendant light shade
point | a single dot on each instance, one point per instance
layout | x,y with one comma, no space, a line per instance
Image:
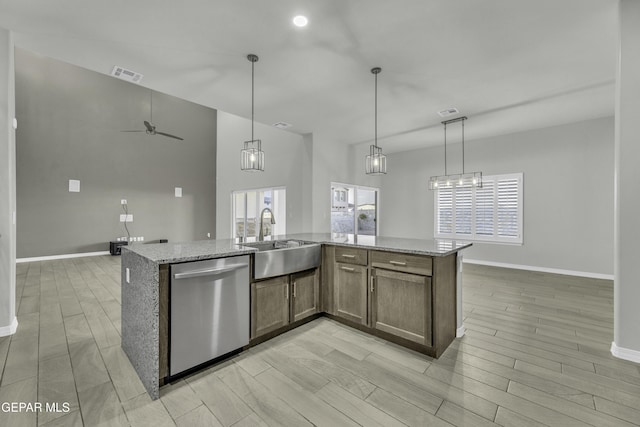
464,179
252,156
375,162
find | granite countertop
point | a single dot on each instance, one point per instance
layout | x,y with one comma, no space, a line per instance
431,247
167,253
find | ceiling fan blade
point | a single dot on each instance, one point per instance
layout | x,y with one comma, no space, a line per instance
149,126
169,135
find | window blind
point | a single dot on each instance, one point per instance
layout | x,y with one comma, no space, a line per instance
491,213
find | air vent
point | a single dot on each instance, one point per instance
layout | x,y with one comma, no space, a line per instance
448,112
282,125
128,75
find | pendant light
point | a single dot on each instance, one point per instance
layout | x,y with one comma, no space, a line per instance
252,156
376,162
471,179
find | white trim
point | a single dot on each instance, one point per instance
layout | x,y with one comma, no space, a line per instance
625,353
65,256
541,269
460,332
9,330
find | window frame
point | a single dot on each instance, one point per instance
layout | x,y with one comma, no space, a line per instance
273,189
474,236
355,197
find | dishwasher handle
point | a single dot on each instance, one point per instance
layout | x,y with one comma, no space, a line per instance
209,271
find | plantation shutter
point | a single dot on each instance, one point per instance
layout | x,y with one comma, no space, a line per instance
463,209
508,218
485,208
444,211
491,213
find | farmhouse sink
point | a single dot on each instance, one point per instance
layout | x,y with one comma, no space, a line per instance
280,257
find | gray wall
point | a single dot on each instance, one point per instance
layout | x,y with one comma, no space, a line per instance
7,187
568,194
70,121
627,209
287,163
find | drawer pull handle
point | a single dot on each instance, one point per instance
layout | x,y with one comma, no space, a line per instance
294,289
372,279
348,256
400,263
349,269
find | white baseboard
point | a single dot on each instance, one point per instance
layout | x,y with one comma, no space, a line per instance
9,330
625,353
541,269
460,332
65,256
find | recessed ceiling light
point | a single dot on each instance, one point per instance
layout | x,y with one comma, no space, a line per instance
300,21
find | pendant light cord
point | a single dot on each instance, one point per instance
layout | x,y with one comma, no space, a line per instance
463,146
376,112
445,148
252,66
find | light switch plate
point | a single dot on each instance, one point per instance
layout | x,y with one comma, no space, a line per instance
74,186
178,191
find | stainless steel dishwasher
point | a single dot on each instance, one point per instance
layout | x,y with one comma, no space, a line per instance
209,311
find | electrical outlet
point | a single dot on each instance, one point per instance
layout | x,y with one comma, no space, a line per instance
209,235
123,201
142,239
123,217
129,218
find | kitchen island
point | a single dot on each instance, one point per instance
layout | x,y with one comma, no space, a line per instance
403,290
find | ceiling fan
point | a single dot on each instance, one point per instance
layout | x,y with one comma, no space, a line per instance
150,127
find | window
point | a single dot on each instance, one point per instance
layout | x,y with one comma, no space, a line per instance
492,213
248,205
354,209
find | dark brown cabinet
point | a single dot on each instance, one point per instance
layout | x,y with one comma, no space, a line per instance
350,292
401,305
282,300
269,305
305,299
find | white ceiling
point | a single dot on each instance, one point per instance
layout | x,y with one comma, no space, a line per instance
508,65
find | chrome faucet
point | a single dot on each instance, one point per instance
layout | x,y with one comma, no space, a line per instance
273,221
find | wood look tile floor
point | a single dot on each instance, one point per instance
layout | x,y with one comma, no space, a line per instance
536,353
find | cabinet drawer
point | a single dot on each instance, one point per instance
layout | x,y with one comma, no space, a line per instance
351,255
415,264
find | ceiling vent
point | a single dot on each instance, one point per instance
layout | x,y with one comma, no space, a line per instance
282,125
448,112
128,75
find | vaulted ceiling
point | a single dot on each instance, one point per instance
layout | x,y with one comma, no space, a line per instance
509,65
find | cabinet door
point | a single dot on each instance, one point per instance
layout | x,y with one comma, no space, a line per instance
401,305
269,305
350,292
304,294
